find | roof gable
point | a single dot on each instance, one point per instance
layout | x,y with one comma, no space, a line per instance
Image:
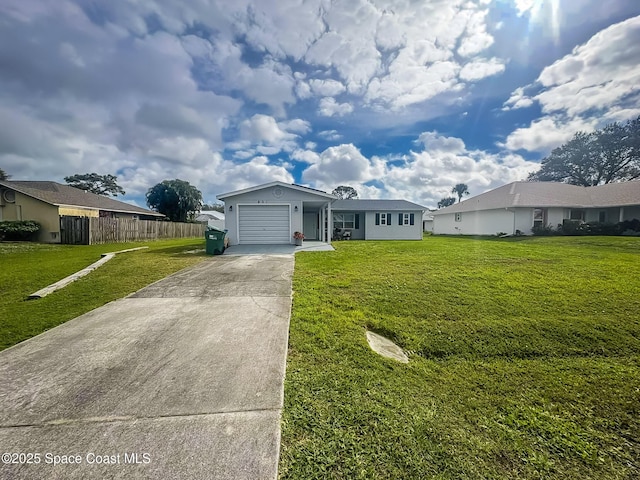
265,186
65,195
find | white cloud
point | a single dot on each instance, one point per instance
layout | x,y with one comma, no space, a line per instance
296,125
262,128
518,99
423,177
596,75
546,133
409,85
340,164
476,39
597,82
326,88
329,107
430,174
267,136
434,142
479,69
524,6
331,135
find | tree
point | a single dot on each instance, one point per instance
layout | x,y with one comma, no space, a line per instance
4,175
345,192
94,183
610,154
176,199
460,189
446,201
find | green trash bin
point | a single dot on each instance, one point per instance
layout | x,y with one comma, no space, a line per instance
214,241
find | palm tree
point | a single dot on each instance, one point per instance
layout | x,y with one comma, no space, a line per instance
460,189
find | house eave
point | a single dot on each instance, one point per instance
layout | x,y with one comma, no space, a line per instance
292,186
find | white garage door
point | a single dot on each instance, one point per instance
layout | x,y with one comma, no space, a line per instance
263,224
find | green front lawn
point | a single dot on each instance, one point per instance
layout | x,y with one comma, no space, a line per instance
28,267
524,360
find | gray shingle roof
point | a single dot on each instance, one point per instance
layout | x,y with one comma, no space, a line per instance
59,194
550,194
374,205
616,194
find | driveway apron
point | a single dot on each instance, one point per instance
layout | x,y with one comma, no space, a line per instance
183,379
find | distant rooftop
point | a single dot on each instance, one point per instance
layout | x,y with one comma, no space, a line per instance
65,195
550,194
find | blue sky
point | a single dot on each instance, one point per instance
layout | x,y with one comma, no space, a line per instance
397,98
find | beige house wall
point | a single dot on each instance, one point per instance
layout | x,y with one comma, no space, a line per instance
28,208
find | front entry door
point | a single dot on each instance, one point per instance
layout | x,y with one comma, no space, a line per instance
310,226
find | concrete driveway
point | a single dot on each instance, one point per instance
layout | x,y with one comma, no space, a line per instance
183,379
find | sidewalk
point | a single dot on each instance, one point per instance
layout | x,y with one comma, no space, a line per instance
183,379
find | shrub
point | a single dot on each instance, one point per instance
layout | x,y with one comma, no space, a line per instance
543,230
570,227
633,225
18,230
597,228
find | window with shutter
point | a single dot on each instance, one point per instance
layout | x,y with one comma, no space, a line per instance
383,219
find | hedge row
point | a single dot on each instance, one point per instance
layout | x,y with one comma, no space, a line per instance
18,230
628,227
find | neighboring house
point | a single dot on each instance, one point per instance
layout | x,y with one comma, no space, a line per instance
273,212
427,221
377,219
46,202
520,206
212,218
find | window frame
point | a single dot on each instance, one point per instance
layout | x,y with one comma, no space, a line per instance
344,223
383,219
577,212
602,216
539,217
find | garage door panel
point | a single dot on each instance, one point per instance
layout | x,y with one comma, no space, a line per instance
263,224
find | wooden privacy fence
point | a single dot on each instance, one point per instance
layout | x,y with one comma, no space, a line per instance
96,230
74,230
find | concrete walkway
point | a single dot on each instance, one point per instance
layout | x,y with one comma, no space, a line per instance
183,379
288,249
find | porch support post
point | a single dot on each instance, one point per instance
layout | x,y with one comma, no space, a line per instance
329,223
621,217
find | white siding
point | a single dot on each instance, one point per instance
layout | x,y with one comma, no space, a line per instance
555,216
485,222
473,223
262,224
393,231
